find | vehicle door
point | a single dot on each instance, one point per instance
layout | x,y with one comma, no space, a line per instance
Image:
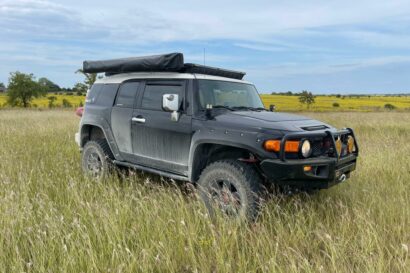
159,141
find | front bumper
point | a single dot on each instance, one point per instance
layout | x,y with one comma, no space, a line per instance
325,171
77,139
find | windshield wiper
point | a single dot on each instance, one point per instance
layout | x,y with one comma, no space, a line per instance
249,108
236,108
223,107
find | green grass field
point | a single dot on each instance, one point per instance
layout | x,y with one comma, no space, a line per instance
282,103
54,220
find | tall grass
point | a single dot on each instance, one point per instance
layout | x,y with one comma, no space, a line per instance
54,220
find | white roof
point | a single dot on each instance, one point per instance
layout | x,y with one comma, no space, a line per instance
119,78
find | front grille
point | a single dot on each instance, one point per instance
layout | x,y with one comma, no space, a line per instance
317,148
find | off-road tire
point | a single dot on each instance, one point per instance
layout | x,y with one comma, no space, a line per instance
244,178
101,152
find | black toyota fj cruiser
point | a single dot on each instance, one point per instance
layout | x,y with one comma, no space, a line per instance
208,126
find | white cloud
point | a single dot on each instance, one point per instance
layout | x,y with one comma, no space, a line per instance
295,69
298,37
147,21
378,39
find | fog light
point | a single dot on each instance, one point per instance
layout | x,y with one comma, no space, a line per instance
307,168
306,149
350,144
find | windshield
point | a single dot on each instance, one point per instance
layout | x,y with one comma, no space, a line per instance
229,94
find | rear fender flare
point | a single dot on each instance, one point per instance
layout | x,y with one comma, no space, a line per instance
105,128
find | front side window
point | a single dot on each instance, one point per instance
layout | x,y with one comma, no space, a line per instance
229,94
152,98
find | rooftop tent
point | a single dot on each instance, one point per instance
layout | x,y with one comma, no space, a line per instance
168,62
172,62
214,71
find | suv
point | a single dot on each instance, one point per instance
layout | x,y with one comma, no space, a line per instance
208,126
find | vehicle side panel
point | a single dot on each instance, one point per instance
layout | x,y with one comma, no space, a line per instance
121,127
212,132
97,112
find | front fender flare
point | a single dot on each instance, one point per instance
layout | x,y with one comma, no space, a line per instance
242,142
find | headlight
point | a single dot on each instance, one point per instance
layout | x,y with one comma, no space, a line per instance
306,149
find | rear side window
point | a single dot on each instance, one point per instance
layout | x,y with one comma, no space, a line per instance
152,98
126,94
93,93
107,94
102,94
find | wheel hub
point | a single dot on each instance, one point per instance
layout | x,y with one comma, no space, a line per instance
226,197
94,164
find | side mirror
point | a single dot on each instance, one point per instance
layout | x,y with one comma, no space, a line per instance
170,103
272,107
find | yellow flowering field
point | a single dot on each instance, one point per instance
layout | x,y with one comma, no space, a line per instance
42,102
347,103
282,102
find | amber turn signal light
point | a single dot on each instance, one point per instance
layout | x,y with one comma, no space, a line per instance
273,145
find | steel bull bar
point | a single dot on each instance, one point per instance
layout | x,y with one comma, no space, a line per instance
329,170
332,135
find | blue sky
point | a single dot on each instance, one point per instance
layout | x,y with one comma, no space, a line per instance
322,46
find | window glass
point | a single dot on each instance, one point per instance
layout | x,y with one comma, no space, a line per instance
231,94
93,93
107,94
126,94
152,98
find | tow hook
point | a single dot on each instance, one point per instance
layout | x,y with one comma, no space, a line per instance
342,178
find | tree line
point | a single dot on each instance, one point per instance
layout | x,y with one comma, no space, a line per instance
23,88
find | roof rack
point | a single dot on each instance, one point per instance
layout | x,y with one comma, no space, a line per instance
172,62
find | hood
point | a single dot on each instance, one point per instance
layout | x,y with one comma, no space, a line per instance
272,120
269,116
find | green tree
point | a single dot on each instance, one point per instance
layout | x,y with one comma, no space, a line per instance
66,103
80,88
90,78
22,89
389,106
2,85
48,85
306,98
51,100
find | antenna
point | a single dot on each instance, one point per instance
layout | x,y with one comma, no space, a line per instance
204,56
204,60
